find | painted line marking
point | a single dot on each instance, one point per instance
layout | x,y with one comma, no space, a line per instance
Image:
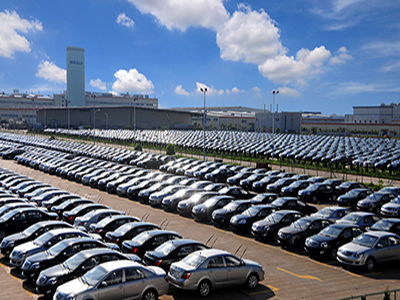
272,288
300,276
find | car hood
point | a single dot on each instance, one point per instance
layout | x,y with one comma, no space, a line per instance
222,211
250,262
291,230
391,205
26,247
321,238
354,247
236,218
76,285
131,244
39,257
14,237
55,271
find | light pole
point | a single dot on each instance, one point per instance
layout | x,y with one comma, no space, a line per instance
106,120
94,119
273,109
69,122
204,91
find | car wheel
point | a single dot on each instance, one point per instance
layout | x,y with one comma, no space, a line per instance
252,281
334,197
332,253
150,295
370,264
204,288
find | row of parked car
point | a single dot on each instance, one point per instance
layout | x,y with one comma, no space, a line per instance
73,247
355,151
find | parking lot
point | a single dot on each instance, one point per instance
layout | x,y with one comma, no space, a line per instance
289,275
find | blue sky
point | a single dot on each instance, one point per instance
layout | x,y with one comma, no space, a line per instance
323,56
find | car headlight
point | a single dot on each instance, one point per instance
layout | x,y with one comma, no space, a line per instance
202,210
242,221
10,244
71,297
359,255
52,281
324,245
36,265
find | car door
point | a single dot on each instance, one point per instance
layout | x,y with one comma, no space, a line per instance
18,222
33,217
346,236
217,271
112,287
236,271
134,284
382,250
394,248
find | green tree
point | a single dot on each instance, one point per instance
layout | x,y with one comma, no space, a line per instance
138,147
170,149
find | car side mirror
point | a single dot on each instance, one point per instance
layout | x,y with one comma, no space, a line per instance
104,284
379,246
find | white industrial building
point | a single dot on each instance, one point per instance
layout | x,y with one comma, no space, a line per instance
76,76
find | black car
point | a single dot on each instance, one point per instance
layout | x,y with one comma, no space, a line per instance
295,234
147,241
374,202
267,229
111,223
352,197
243,222
236,192
294,204
69,205
390,225
293,189
128,231
111,187
133,191
234,180
247,183
260,186
21,218
203,212
29,234
80,210
317,192
61,251
221,217
277,186
59,200
220,175
348,186
74,267
185,207
328,240
265,198
164,255
171,202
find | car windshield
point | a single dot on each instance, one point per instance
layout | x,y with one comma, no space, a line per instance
279,202
331,231
124,228
374,197
231,206
252,211
30,230
383,225
211,202
93,276
365,240
224,190
352,218
352,193
396,200
301,223
43,239
194,260
73,262
274,217
104,222
166,248
76,209
312,187
327,211
56,249
89,214
280,181
141,238
9,215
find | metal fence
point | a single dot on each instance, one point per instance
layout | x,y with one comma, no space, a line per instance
375,296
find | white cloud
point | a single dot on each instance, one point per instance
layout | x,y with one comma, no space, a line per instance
97,83
341,57
125,21
285,91
49,71
181,91
256,89
382,49
250,36
180,15
11,25
234,90
391,67
284,69
210,89
132,81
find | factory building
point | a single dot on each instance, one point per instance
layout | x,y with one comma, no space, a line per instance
76,76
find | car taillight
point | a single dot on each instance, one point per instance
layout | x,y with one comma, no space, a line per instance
98,230
166,278
135,250
83,223
186,275
70,218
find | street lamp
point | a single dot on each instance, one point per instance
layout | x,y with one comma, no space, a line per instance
273,109
67,102
106,120
94,119
204,91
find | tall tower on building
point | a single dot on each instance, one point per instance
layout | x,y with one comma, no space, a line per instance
76,76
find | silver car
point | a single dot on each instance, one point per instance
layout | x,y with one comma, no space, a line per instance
121,279
208,269
369,249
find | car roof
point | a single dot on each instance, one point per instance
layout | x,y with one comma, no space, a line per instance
342,226
212,252
80,239
97,251
379,234
362,213
180,242
117,264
